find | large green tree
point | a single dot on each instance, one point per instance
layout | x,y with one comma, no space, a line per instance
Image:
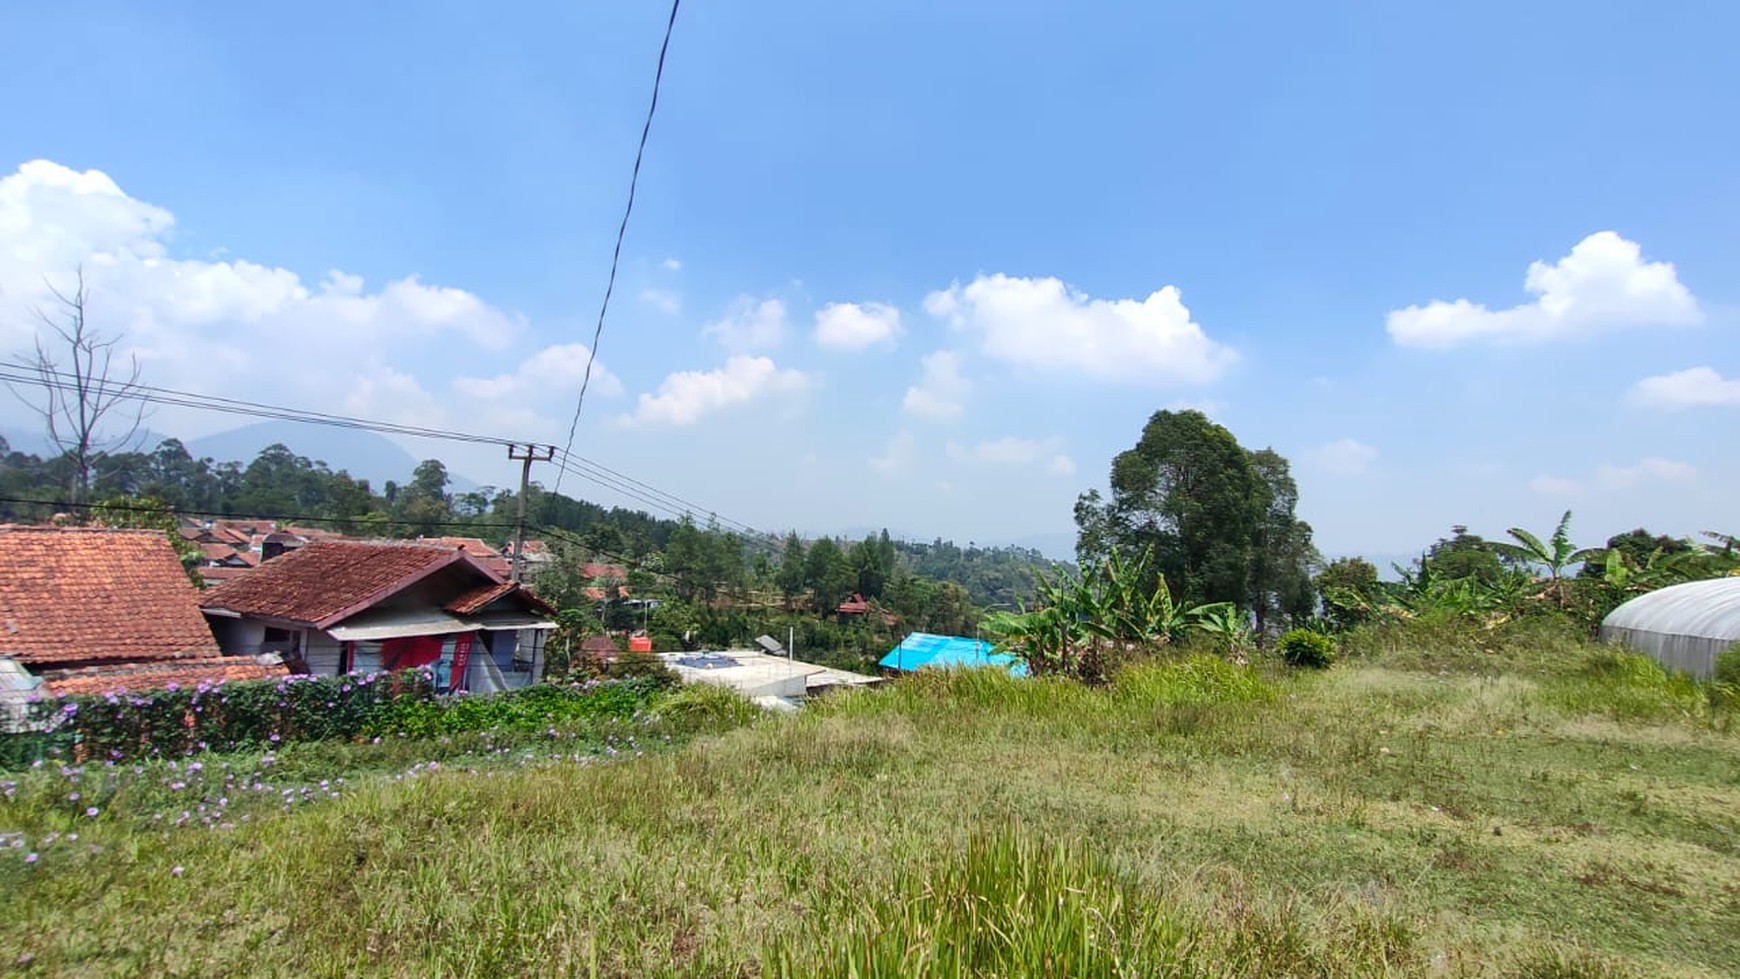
1189,492
1282,553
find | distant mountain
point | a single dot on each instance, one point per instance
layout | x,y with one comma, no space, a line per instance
365,455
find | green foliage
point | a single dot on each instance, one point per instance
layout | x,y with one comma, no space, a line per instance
1218,519
1631,687
1306,648
1008,906
1351,591
705,708
1196,681
534,708
231,716
1728,666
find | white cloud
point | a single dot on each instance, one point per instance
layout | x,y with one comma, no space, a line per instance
686,397
856,326
1344,457
941,391
1653,469
561,367
664,300
672,264
1604,284
1043,324
897,457
226,327
749,325
1692,388
1013,451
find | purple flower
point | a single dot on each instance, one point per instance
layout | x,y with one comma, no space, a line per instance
29,858
70,709
92,812
175,871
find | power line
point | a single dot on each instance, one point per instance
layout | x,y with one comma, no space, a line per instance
65,381
621,232
576,465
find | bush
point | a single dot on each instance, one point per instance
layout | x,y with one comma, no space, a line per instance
1728,666
1305,648
534,708
254,714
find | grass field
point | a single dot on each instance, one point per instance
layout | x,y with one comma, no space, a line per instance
1536,810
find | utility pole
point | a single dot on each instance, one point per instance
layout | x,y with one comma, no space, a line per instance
533,453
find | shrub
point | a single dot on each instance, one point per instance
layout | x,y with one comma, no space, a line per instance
638,664
1728,666
705,708
178,720
1305,648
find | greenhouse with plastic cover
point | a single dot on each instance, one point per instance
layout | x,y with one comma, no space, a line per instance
1684,627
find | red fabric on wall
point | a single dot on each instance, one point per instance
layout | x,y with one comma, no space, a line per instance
461,659
410,652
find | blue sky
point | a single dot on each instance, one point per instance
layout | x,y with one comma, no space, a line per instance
929,266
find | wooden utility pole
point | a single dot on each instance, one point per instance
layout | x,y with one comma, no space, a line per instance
532,453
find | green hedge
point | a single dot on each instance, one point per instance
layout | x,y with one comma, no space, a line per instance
262,714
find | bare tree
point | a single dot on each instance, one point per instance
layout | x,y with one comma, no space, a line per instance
82,401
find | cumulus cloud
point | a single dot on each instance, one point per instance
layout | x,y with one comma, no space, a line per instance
673,264
1344,457
1694,387
1653,469
941,391
856,326
686,397
898,456
1013,451
1045,325
562,366
222,326
664,300
1603,284
749,325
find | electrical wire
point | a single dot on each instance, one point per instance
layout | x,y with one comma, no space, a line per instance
621,233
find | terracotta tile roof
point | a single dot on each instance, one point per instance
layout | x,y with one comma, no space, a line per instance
325,581
155,676
598,594
599,644
534,548
219,552
70,593
594,570
217,576
477,599
481,552
856,605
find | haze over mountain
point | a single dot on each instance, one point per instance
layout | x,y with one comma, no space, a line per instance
365,455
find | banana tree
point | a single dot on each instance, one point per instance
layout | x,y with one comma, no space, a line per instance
1555,554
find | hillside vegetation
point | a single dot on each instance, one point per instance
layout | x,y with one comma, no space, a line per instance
1528,807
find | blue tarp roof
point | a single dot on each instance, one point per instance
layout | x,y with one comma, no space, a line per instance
921,649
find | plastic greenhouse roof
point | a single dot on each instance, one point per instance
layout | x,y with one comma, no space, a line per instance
1707,609
921,649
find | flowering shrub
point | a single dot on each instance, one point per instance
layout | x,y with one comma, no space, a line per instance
229,716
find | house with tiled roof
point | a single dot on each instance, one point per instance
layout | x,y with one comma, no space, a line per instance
86,609
335,607
479,551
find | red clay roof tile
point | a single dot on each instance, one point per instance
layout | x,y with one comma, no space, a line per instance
323,582
69,594
157,675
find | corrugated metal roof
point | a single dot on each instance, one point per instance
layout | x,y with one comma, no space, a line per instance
1683,626
921,649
